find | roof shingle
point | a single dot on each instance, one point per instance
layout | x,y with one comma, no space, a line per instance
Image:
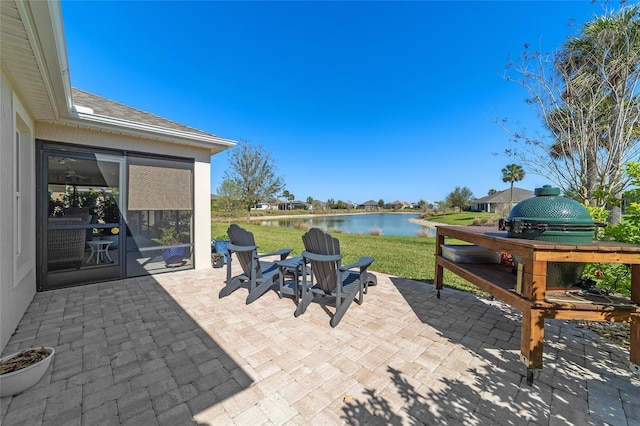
108,108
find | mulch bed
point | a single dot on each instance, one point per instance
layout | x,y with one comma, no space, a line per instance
617,332
23,360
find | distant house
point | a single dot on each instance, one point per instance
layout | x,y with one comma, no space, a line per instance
500,200
292,205
417,206
318,205
398,204
369,205
265,206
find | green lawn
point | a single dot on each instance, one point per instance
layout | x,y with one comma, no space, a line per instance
463,218
407,257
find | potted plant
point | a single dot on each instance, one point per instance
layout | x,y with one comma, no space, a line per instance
221,243
217,260
113,235
22,370
172,256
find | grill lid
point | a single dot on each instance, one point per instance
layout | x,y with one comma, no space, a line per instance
550,217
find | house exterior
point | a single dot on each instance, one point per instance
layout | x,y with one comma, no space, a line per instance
369,205
292,205
500,200
399,204
318,205
265,206
91,190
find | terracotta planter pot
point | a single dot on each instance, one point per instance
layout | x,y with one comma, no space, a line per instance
19,381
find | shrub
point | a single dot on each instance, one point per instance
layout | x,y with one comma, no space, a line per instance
616,277
485,221
300,225
375,231
423,232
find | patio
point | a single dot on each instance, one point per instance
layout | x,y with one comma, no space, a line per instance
166,350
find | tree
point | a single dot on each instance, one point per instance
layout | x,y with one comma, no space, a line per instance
587,97
310,200
512,173
381,203
331,203
289,196
460,198
251,175
318,205
492,191
228,199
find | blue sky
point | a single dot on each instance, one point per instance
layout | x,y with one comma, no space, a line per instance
354,100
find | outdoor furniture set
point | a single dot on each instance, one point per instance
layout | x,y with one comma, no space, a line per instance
67,240
318,271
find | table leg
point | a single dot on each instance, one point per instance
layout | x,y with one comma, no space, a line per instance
93,251
534,285
438,276
532,337
634,338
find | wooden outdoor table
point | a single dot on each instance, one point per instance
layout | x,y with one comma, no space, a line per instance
534,299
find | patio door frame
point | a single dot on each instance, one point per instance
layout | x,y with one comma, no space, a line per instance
48,280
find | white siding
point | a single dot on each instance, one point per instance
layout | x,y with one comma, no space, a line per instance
202,214
17,211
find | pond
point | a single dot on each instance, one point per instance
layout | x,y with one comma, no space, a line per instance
391,224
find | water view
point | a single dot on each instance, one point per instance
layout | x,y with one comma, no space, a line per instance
392,224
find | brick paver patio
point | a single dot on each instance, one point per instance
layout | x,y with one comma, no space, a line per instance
166,350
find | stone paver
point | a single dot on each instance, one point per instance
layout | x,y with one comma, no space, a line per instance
165,350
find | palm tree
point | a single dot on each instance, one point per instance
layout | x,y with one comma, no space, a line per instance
512,173
289,196
602,67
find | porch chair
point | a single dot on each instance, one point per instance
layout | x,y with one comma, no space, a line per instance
260,274
344,283
65,246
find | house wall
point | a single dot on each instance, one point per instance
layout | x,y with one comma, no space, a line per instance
17,210
201,172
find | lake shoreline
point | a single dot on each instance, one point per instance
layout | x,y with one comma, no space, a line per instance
373,222
426,223
306,216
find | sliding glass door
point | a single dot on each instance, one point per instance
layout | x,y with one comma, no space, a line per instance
159,215
81,221
105,216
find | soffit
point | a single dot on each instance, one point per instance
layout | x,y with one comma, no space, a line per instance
21,64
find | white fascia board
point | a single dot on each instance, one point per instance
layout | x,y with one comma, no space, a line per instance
43,22
147,131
